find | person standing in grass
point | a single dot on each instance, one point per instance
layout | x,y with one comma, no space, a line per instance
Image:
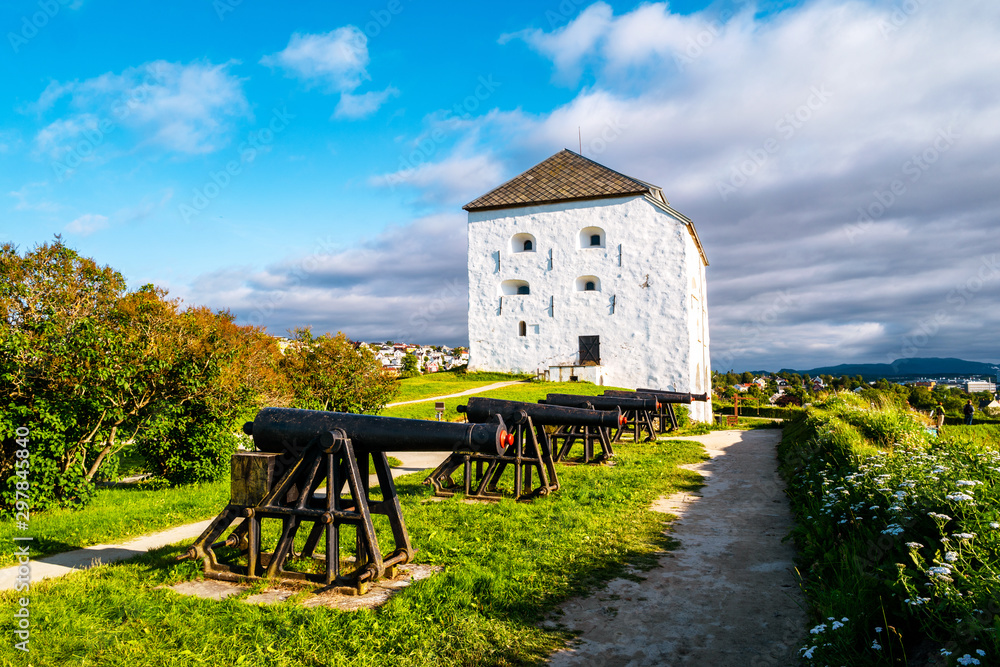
968,410
939,413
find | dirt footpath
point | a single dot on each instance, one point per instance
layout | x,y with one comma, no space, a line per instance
727,595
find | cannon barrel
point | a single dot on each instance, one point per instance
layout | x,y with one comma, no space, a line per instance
484,409
603,402
674,396
281,430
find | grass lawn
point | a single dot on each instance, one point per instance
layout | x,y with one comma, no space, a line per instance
117,514
442,384
507,565
527,391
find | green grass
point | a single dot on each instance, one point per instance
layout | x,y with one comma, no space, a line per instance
442,384
530,392
117,514
507,566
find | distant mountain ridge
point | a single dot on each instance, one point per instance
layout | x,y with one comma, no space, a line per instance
932,366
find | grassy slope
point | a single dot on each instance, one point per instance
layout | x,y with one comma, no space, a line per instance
867,537
506,566
527,391
442,384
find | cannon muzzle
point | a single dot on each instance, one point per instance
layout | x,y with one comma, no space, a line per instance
674,396
291,430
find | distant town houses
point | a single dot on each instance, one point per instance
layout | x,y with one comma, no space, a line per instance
430,358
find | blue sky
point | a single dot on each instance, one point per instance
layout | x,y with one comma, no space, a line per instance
306,164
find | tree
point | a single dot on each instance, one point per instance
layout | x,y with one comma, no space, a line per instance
329,373
89,367
411,365
221,375
62,352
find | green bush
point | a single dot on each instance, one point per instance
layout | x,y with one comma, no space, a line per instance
190,451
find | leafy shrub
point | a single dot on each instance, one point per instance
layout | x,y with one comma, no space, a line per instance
190,451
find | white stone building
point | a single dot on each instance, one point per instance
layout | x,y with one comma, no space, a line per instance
578,271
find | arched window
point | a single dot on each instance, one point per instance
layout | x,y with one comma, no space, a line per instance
592,237
522,242
522,329
513,287
590,286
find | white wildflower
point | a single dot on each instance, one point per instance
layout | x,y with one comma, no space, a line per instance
807,653
914,545
959,497
967,660
951,556
818,629
963,536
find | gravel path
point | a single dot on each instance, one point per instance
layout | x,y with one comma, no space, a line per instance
727,595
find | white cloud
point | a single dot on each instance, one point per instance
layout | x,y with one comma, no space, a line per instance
87,224
337,60
181,108
26,198
455,180
568,45
407,283
360,106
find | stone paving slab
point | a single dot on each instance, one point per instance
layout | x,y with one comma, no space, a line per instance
378,594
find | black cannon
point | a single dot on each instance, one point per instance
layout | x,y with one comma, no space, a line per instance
667,401
637,410
532,449
306,461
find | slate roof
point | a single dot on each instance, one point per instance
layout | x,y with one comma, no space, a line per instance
566,176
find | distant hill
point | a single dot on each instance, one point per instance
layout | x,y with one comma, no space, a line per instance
906,368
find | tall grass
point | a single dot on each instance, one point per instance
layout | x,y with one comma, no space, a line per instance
898,534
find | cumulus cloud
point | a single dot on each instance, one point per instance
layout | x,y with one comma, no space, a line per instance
338,61
408,283
364,105
454,181
187,109
87,224
838,159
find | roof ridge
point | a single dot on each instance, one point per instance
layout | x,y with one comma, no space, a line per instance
564,176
